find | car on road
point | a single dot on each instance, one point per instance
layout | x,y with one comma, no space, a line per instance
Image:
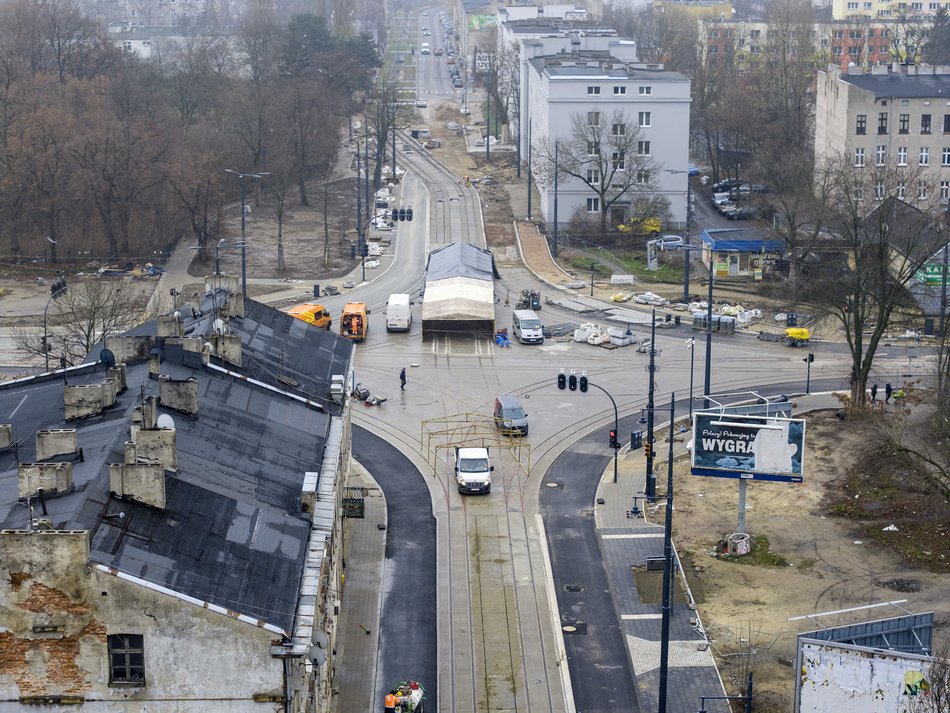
669,242
437,51
457,82
692,169
426,33
421,103
425,13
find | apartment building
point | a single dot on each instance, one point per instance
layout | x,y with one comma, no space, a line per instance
654,104
898,115
843,9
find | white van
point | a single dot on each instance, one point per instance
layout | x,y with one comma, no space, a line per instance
526,326
424,49
398,313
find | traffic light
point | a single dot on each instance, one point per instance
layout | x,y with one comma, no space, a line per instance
572,382
402,214
613,439
583,383
648,449
364,249
636,440
809,359
395,214
408,213
562,381
352,249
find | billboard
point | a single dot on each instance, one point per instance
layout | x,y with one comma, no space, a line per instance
482,21
728,445
855,679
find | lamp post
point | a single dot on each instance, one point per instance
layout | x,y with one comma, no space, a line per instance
709,299
554,251
687,247
650,475
241,176
691,344
667,572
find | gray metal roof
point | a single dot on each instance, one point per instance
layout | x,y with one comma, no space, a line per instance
902,85
598,63
232,532
459,260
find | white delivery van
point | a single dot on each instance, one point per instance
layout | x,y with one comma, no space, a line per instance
473,470
424,49
526,326
398,313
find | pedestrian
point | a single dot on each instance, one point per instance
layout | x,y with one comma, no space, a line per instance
402,379
873,393
391,702
887,392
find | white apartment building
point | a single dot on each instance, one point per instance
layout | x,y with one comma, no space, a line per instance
654,102
893,114
843,9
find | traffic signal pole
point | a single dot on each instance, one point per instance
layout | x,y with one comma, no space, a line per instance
572,382
651,476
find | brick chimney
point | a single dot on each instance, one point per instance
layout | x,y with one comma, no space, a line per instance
53,478
54,442
178,395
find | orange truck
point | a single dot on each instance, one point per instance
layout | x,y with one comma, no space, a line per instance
355,321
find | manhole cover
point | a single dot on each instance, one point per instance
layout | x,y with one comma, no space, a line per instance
577,628
569,629
573,588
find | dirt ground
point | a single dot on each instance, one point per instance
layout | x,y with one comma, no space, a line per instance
826,550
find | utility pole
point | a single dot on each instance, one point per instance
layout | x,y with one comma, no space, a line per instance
554,251
709,298
241,176
529,177
366,166
667,572
651,476
487,124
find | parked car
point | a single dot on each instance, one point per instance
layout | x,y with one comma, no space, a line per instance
743,213
421,103
457,82
450,60
725,184
720,197
669,242
692,169
727,208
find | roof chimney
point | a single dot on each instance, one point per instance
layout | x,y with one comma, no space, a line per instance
52,478
178,395
57,559
52,442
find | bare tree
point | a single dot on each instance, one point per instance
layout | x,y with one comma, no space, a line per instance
83,316
605,152
933,693
883,242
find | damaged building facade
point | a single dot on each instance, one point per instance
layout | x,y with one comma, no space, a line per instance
170,518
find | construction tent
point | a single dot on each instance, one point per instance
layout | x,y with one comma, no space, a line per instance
459,293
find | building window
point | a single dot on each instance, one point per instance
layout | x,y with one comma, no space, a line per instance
862,124
903,126
619,90
879,190
127,659
754,49
859,157
870,49
837,51
901,190
838,34
618,130
593,205
945,191
617,160
921,190
854,51
593,148
884,49
714,49
882,122
945,158
755,33
925,123
824,42
643,148
880,155
644,118
946,123
870,34
852,6
593,175
924,156
643,177
593,118
646,91
593,90
901,155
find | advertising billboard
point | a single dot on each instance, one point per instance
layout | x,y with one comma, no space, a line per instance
727,445
482,21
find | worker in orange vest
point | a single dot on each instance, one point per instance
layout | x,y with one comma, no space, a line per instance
391,702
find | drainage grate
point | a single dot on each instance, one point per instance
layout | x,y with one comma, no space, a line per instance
573,588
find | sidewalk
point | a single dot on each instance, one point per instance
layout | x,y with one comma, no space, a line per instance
628,542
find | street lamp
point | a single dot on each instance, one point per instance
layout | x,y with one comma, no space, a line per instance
691,345
709,298
687,246
241,176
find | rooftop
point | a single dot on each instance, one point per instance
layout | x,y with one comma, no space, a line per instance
902,84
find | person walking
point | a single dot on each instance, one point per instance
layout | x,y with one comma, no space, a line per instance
873,393
391,702
887,392
402,379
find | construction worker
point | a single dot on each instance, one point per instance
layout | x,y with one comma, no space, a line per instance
391,702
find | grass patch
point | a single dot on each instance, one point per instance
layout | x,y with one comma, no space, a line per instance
759,554
636,262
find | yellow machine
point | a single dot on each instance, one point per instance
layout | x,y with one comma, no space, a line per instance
796,336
